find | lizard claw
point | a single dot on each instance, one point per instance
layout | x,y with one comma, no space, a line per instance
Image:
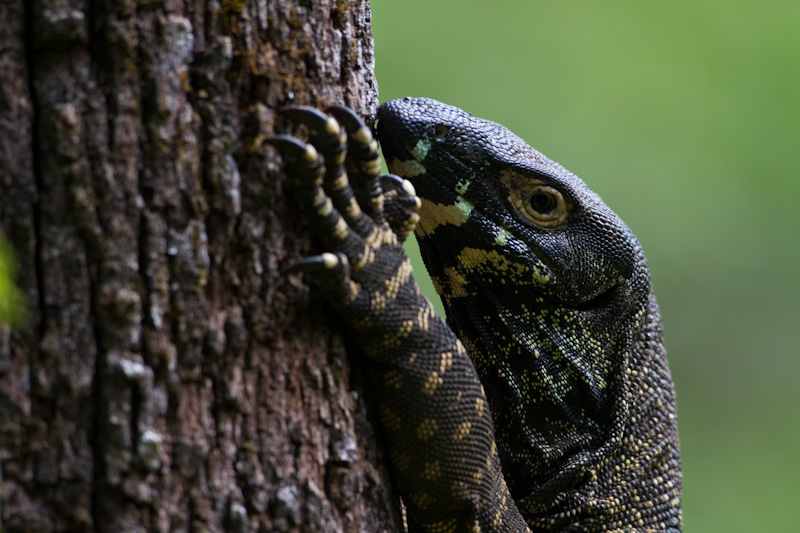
324,131
331,272
346,117
293,147
302,161
316,263
310,116
401,204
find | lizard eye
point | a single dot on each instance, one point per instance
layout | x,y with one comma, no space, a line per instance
440,131
540,204
543,202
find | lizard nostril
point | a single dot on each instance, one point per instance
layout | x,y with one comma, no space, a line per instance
440,131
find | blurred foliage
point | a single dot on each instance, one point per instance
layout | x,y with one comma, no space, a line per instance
685,118
11,298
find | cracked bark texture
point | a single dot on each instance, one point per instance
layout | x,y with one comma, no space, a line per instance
169,378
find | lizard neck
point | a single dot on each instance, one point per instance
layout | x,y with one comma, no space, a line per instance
555,376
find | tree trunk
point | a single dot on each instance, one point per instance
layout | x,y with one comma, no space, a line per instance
168,377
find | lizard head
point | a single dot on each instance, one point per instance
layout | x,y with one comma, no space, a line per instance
492,202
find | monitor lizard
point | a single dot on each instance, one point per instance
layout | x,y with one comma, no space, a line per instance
545,402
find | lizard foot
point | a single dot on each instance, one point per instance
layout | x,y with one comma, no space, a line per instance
368,268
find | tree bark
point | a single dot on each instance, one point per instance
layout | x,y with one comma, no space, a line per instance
168,377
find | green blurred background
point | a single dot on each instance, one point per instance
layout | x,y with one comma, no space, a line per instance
685,117
12,308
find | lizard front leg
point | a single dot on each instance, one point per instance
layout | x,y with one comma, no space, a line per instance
432,407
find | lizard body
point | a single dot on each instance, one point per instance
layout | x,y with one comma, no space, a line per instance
545,403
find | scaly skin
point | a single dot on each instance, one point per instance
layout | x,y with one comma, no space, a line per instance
543,284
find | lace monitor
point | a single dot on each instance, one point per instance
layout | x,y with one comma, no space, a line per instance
545,402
